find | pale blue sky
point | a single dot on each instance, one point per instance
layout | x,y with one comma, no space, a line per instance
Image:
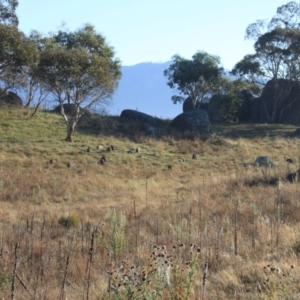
155,30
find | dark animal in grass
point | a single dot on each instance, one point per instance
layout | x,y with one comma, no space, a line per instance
70,164
289,160
170,167
111,148
264,161
256,182
103,160
293,177
88,149
53,161
195,156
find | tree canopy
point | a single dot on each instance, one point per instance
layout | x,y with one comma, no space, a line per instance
196,78
276,58
16,51
230,107
79,68
8,12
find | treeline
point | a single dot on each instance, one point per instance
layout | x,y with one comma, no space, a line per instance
276,59
81,69
77,67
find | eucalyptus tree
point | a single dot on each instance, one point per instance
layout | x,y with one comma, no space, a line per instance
79,68
8,14
276,58
195,78
16,51
29,83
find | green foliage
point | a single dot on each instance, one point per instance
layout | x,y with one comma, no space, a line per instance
113,236
16,51
70,221
196,78
79,64
230,107
78,67
276,56
5,277
8,12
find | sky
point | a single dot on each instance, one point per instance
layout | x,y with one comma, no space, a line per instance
155,30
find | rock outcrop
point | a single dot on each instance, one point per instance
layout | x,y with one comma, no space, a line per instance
249,107
150,126
136,116
213,109
290,91
188,105
9,97
264,161
196,120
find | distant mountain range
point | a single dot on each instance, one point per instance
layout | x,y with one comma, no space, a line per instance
143,87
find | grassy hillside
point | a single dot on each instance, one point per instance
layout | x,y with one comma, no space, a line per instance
138,227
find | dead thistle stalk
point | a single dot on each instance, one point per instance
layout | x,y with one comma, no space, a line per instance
90,261
13,281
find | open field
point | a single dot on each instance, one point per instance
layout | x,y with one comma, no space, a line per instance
209,228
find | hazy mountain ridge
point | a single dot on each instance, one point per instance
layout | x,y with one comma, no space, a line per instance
143,87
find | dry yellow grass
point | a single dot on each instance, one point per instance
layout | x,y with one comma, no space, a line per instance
134,202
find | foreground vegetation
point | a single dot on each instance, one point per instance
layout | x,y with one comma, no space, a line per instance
135,229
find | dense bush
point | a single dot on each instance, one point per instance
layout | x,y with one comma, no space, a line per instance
230,107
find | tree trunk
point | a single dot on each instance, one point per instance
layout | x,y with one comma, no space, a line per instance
275,110
35,109
266,110
274,115
70,130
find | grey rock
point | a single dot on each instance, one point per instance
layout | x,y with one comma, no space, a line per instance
70,109
136,116
213,109
10,97
264,161
151,131
297,132
247,102
188,105
196,120
291,114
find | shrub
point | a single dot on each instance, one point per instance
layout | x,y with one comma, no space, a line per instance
230,107
69,221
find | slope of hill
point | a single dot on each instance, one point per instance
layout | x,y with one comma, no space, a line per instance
143,87
133,225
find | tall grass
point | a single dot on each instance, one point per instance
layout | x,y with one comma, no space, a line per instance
215,227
